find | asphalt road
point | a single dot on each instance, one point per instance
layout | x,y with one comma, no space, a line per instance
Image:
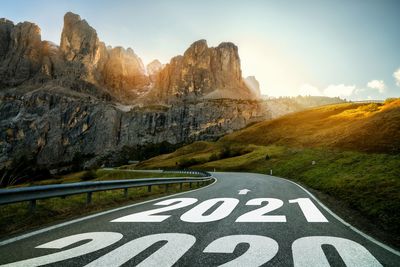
281,225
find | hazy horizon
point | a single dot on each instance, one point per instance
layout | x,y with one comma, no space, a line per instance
333,48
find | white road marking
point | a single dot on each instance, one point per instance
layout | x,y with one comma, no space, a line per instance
98,240
261,249
310,211
307,252
244,191
149,215
258,215
223,210
177,245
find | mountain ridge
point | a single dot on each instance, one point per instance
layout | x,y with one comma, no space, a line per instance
83,60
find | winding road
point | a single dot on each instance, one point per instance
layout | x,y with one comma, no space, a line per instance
242,219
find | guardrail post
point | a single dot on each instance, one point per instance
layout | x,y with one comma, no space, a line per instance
198,184
149,188
125,192
32,206
166,188
190,184
89,198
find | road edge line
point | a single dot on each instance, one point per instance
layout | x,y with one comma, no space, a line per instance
40,231
337,217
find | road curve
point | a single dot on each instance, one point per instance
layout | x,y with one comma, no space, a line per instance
243,219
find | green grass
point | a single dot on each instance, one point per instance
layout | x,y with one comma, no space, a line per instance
16,218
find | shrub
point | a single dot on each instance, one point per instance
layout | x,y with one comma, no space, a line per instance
214,157
23,169
229,151
89,175
225,152
186,163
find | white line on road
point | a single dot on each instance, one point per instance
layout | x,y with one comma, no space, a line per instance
11,240
244,191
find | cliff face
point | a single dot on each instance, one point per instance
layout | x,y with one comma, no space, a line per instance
203,72
58,126
124,73
153,68
85,98
117,69
20,52
252,83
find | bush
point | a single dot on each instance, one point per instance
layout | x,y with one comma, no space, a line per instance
214,157
89,175
186,163
23,169
229,151
225,152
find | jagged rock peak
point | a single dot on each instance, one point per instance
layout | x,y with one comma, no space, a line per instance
202,71
197,47
5,38
124,71
78,38
20,52
253,85
153,68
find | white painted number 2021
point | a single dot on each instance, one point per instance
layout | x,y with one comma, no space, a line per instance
222,208
306,251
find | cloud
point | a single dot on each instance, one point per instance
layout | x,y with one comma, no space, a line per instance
378,84
396,76
308,89
340,90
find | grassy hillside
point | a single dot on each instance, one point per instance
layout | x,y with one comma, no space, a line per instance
361,127
355,149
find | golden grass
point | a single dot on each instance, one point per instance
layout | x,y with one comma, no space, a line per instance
361,127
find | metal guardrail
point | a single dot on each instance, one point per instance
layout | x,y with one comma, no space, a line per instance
34,193
188,171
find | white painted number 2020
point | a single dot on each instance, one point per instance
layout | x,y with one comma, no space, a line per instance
306,251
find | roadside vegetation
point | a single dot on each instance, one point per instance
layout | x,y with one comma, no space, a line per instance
350,152
16,218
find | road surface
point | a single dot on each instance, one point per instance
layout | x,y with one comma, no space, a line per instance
242,219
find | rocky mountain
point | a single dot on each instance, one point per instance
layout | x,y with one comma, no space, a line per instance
153,68
21,52
83,101
120,71
252,83
62,126
203,72
82,62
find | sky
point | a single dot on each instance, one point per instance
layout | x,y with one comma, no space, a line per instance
346,48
